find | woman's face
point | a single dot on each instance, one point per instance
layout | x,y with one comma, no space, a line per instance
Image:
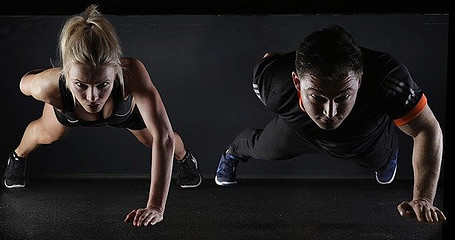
91,86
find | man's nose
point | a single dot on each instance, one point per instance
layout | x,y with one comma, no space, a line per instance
330,109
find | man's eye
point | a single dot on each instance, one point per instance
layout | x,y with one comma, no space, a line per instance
343,97
317,97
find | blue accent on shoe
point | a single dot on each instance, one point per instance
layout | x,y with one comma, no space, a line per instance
226,171
386,174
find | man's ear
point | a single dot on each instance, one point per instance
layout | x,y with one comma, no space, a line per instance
296,81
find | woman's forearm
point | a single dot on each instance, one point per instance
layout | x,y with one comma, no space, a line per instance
161,171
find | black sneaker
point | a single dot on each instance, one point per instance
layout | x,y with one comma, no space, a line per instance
14,172
188,175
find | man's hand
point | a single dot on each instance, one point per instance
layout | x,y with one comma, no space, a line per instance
145,216
422,209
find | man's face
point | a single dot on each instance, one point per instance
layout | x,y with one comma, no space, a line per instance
327,104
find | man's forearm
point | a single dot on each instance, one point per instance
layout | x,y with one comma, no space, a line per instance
427,158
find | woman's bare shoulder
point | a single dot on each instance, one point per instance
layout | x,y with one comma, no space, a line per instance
43,85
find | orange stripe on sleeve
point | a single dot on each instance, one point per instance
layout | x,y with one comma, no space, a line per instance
413,113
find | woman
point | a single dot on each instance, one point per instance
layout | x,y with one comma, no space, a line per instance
96,86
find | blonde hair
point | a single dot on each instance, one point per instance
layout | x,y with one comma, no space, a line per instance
89,38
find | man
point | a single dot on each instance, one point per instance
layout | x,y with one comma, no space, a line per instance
334,97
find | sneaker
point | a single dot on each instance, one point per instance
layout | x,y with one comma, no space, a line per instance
14,172
226,172
386,174
188,175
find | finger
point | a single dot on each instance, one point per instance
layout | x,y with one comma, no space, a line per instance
428,214
405,209
441,215
401,207
148,219
434,215
129,216
136,217
419,211
143,216
156,219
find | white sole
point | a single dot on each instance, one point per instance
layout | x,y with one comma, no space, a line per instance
13,186
193,186
221,183
391,180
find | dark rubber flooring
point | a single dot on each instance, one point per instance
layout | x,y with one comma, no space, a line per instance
255,209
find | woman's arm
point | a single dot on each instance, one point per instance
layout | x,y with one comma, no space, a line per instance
42,84
156,119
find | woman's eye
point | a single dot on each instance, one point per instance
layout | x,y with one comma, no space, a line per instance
80,85
103,85
344,97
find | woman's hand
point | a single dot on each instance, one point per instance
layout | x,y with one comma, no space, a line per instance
145,216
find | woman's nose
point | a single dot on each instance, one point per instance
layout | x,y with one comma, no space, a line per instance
92,94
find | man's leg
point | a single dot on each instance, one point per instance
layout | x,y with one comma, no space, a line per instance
382,157
275,142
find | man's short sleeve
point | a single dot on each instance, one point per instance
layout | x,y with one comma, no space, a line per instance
273,84
404,98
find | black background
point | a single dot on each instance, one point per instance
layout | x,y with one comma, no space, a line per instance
200,55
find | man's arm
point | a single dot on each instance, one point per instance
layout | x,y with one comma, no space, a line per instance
426,161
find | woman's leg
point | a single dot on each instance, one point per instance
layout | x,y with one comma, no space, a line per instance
44,130
180,150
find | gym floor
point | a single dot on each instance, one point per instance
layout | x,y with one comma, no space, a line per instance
255,209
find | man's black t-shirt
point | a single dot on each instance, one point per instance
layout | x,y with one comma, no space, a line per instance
387,96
